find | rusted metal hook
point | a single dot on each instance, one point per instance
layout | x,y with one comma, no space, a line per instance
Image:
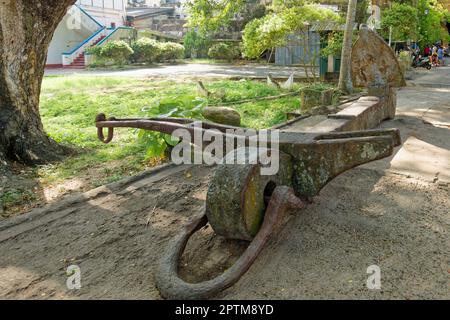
102,118
172,286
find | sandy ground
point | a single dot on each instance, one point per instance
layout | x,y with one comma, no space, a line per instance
394,213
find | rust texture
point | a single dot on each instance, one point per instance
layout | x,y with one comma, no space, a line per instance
242,204
237,206
164,125
172,286
374,62
243,189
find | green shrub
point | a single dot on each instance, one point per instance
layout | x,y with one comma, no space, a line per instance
146,50
117,51
95,50
224,51
405,60
99,61
171,51
197,46
176,107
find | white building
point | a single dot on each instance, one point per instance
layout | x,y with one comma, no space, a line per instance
153,3
178,5
87,23
107,12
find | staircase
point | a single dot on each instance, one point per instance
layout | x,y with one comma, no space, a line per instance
79,62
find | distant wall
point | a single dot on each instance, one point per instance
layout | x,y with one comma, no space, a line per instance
64,40
106,11
294,52
126,34
162,24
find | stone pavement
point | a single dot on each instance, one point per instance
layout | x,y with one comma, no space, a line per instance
436,77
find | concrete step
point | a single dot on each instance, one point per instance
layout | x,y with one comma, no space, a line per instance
306,124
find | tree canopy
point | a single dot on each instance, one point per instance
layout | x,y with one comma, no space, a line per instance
418,20
273,29
432,17
210,15
403,20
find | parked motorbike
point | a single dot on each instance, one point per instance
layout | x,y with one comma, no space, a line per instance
421,62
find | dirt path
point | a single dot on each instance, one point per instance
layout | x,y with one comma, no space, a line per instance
394,213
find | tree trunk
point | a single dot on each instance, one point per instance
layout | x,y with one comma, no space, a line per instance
345,77
26,29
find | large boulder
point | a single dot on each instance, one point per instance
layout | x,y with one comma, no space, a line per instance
222,115
374,62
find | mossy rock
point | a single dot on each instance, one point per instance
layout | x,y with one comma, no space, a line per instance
310,98
326,98
222,115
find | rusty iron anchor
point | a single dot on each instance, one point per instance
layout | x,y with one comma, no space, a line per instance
242,204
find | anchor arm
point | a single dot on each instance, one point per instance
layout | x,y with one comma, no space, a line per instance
172,286
330,155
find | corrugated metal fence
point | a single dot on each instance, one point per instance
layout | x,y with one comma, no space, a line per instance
295,53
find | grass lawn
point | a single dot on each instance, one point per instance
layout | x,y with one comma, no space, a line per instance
69,105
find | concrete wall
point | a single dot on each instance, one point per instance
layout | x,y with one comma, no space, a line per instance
64,40
106,11
126,34
67,38
180,9
174,27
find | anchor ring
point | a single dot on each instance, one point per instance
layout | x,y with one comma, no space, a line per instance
171,286
102,118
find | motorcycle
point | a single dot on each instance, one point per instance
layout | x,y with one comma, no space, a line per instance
421,62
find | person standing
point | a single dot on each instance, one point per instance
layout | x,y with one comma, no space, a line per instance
440,54
415,48
434,56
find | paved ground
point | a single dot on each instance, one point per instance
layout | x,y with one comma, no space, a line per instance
437,77
392,213
192,70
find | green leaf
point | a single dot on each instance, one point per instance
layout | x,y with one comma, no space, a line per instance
183,106
171,141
